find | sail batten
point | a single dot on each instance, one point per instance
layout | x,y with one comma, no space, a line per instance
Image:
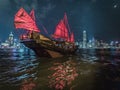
24,20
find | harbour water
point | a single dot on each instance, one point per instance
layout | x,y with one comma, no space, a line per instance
88,70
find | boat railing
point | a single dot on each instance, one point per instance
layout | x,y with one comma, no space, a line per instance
57,47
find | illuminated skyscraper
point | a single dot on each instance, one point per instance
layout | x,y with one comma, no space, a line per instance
11,39
93,42
84,39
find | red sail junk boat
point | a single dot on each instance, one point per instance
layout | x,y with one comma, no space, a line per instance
61,43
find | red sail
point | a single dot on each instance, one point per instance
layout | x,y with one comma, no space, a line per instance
57,33
66,22
72,37
61,31
32,14
23,20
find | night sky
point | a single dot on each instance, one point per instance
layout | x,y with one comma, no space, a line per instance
100,18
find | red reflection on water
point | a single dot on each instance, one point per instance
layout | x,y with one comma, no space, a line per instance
63,76
28,85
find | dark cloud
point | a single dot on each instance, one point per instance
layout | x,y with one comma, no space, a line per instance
46,9
4,3
26,4
93,1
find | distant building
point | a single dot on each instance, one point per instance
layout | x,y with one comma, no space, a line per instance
10,42
11,39
84,39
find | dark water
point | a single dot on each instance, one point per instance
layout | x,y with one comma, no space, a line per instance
88,70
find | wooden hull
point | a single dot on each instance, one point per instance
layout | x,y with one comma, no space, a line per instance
45,50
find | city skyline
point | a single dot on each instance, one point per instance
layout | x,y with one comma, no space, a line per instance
100,18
